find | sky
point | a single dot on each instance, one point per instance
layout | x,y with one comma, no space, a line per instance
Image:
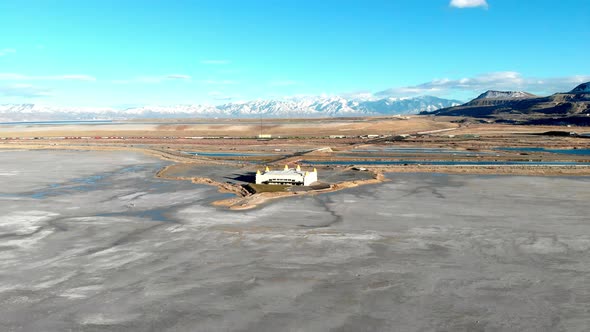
114,53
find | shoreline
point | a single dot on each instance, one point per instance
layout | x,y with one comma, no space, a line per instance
245,200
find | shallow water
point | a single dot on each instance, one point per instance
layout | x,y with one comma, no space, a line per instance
444,163
579,152
231,154
420,151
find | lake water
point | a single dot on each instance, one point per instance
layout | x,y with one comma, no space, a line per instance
231,154
578,152
445,163
419,151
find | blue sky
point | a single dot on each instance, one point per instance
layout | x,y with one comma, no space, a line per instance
117,53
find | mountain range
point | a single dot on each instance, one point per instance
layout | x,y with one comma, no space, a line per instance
294,107
563,108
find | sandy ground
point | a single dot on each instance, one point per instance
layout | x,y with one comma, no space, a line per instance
234,128
91,241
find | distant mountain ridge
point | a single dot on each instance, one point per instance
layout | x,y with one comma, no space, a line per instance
297,107
524,108
582,88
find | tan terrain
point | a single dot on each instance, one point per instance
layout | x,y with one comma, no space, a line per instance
347,141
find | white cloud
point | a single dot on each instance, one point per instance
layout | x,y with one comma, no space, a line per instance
215,62
20,77
178,77
361,94
507,80
468,3
7,51
24,90
154,79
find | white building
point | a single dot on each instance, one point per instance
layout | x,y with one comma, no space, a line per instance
288,176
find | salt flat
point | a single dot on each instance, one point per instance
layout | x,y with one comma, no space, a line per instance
91,241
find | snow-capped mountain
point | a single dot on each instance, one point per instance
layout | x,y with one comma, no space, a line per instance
493,94
321,106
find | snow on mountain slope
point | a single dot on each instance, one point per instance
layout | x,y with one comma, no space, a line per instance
493,94
294,107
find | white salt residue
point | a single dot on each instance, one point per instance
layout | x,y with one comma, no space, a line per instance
413,215
6,287
411,244
22,299
113,258
318,248
23,223
369,236
202,216
427,230
132,196
147,200
107,318
384,214
544,245
50,281
25,242
578,244
81,292
176,229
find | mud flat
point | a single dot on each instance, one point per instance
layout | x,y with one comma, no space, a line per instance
92,241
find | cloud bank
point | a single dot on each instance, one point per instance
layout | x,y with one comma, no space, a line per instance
154,79
178,77
468,3
507,80
20,77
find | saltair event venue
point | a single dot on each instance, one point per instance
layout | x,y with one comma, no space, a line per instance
288,176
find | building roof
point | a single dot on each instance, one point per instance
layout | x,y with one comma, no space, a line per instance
291,171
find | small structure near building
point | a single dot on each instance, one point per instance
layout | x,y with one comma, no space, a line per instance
288,176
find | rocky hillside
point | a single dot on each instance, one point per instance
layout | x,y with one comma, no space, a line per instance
494,94
521,107
493,97
582,88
